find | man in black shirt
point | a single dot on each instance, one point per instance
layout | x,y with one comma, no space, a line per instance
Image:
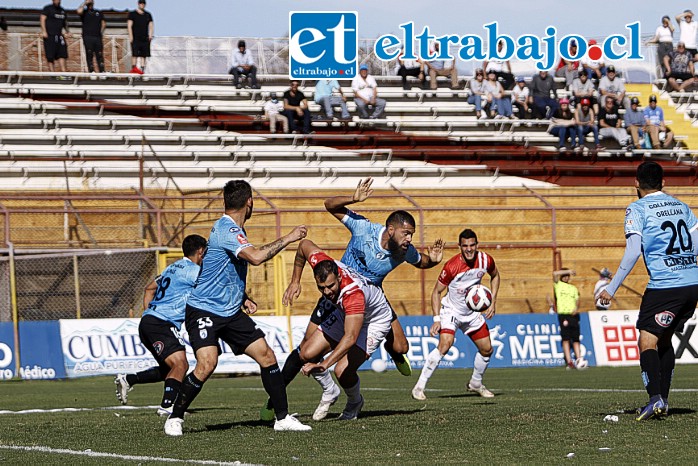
296,107
53,21
93,25
610,124
140,34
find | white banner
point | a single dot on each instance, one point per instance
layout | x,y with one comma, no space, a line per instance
615,339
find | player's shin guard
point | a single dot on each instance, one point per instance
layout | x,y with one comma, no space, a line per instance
151,375
172,388
191,386
430,366
275,387
479,368
667,361
325,380
649,363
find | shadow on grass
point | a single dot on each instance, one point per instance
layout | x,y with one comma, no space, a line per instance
469,395
231,425
672,411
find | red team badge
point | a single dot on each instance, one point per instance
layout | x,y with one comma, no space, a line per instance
242,239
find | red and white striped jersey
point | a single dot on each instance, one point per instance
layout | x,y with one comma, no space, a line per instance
458,276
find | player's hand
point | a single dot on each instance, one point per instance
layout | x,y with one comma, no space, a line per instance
249,306
435,329
363,190
312,367
604,298
490,312
293,291
298,233
436,251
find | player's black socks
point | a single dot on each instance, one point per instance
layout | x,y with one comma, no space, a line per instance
292,366
649,363
273,383
667,361
172,388
397,357
191,386
151,375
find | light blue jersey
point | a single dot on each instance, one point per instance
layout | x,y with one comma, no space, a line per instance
175,284
364,252
220,287
665,225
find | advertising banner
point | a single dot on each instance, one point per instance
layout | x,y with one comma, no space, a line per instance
40,350
7,351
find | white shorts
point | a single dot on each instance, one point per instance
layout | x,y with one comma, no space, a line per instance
452,320
372,333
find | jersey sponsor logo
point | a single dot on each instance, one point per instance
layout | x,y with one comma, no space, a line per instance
234,229
380,256
158,346
627,211
323,44
480,274
682,261
664,318
203,334
242,239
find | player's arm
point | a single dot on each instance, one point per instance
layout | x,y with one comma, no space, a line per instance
42,21
104,26
434,255
352,327
80,9
149,293
129,28
633,251
559,273
257,256
305,249
494,284
151,30
337,205
436,293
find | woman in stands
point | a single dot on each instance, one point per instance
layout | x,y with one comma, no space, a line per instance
563,125
501,106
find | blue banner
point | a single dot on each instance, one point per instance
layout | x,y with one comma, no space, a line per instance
7,351
40,350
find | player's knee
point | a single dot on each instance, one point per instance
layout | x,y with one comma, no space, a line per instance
486,352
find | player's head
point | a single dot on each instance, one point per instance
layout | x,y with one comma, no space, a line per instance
467,241
605,273
565,277
327,279
237,194
400,226
194,247
650,177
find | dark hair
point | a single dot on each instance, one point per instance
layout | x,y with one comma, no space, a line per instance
236,193
467,234
241,43
193,243
650,175
323,269
399,217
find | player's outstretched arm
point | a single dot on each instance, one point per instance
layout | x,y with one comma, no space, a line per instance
259,256
439,288
337,205
352,328
305,249
434,255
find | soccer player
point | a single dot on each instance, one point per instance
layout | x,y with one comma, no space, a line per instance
164,301
451,313
374,250
219,306
356,327
665,232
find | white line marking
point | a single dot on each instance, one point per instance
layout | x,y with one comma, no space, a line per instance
75,410
97,454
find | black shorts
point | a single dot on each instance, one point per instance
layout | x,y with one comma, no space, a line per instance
140,48
323,309
55,48
569,327
160,337
205,328
682,76
667,309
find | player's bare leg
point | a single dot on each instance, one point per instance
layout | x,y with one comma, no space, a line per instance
397,346
482,360
568,355
446,339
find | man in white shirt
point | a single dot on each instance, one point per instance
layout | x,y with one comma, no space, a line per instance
272,110
612,87
243,63
687,31
366,94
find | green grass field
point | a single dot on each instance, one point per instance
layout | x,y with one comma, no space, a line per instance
539,416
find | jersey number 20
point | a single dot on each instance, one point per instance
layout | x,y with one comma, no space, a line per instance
677,231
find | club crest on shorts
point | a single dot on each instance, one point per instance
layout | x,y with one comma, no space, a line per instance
203,334
158,346
664,318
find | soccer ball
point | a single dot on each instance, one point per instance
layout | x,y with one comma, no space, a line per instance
478,298
378,365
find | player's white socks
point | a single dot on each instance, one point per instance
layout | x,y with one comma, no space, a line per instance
480,366
429,367
353,393
326,382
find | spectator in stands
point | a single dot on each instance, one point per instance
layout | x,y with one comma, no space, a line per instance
583,88
501,68
612,87
243,64
140,27
520,96
273,110
53,21
478,93
413,68
442,68
296,108
655,125
635,123
563,125
568,69
664,38
679,65
542,87
366,94
93,25
327,99
501,105
605,276
3,24
610,123
585,118
595,68
687,31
